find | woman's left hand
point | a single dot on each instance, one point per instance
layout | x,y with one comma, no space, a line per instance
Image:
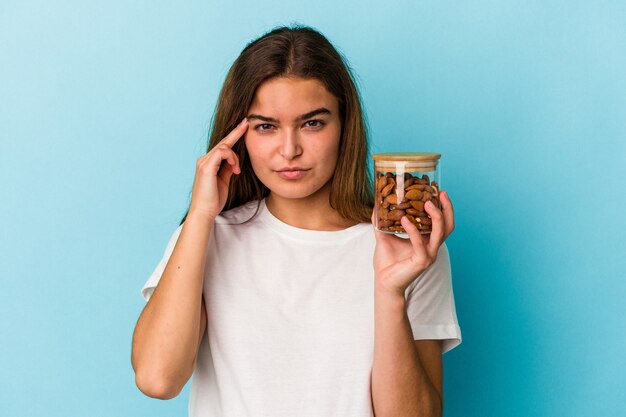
397,261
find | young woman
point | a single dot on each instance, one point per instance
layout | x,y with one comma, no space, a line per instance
275,291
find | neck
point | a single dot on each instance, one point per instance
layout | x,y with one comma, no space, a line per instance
312,213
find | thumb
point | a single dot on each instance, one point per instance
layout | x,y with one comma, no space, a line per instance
377,232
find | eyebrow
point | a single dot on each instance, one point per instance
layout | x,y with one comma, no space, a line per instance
321,110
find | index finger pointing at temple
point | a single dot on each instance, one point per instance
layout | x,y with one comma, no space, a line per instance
236,133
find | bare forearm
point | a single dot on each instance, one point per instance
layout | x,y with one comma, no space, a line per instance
165,341
400,386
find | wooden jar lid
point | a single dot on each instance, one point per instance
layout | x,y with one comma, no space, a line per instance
406,156
406,161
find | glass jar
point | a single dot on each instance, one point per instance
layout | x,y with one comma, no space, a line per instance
404,181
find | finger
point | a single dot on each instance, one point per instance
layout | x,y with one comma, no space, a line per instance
414,235
448,211
235,165
218,152
232,161
226,171
438,228
236,133
222,157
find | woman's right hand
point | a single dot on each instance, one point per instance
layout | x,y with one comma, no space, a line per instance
210,190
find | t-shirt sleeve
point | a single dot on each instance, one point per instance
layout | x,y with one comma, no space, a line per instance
430,304
153,280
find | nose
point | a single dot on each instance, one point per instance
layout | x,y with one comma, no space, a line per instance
290,144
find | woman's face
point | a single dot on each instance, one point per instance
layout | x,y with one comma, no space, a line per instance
294,125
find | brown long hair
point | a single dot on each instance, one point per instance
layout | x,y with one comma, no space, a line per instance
297,51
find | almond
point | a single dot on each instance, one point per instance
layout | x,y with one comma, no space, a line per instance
395,214
392,199
385,223
382,181
386,190
414,195
418,205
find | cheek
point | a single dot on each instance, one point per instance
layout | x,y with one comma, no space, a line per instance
330,150
256,153
334,139
328,153
252,147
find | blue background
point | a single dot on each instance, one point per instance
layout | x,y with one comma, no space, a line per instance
105,107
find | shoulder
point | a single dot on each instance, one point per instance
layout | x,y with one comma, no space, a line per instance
239,214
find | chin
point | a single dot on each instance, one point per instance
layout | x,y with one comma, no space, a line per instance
293,190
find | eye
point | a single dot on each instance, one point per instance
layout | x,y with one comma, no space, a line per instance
316,123
263,127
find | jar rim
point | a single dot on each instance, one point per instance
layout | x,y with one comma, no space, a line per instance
406,156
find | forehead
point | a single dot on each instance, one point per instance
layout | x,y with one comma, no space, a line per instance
289,96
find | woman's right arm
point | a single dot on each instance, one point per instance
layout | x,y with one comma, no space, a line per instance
169,330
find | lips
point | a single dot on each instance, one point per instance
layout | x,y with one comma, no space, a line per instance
292,174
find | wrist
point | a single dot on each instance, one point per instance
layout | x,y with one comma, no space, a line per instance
388,286
389,295
199,218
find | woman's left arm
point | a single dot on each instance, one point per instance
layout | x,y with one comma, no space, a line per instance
406,374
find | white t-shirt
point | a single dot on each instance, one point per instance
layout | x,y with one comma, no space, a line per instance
290,318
